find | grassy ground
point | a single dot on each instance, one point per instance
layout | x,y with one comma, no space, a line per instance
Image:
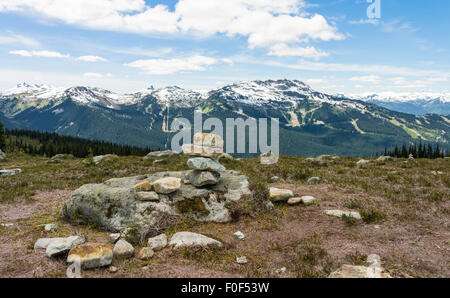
404,205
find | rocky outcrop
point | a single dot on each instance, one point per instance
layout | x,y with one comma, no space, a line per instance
113,205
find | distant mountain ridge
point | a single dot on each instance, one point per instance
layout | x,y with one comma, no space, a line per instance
311,122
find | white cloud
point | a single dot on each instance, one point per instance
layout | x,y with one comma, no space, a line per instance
365,21
306,52
47,54
16,39
92,75
91,59
265,23
170,66
366,79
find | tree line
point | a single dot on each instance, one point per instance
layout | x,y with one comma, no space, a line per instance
49,144
417,151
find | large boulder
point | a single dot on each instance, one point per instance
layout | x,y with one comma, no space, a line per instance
205,164
188,239
113,205
160,154
91,255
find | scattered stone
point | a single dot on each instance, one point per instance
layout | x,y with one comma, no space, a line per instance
113,269
277,195
385,158
294,201
123,249
340,213
281,271
7,225
363,162
188,239
2,155
157,243
114,237
313,180
276,179
349,271
147,196
63,245
205,164
437,173
239,235
12,172
104,158
203,178
187,181
145,254
308,200
167,185
241,260
91,255
160,154
63,157
50,227
143,186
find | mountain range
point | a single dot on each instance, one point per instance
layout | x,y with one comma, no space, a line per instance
311,122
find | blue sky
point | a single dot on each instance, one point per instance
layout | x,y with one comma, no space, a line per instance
128,45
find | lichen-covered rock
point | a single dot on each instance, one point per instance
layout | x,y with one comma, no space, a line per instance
188,239
160,154
157,243
143,186
112,205
123,249
167,185
309,200
147,196
203,178
145,254
63,245
205,164
91,255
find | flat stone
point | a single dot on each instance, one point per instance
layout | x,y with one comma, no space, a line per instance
241,260
143,186
50,227
157,243
167,185
294,201
239,235
277,195
146,196
42,243
203,178
12,172
340,213
205,164
91,255
63,245
188,239
114,237
123,250
145,254
309,200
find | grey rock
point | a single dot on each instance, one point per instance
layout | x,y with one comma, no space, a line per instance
239,235
50,227
294,201
114,237
188,239
340,213
62,157
63,245
160,154
157,243
205,164
241,260
42,243
12,172
225,156
147,196
309,200
104,158
276,179
313,180
363,162
203,178
145,254
123,250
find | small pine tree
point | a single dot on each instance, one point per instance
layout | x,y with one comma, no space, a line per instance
2,137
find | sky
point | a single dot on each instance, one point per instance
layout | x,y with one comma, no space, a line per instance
336,46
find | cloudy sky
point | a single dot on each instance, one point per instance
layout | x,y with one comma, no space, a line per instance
128,45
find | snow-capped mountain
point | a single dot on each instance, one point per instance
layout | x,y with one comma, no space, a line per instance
417,103
311,122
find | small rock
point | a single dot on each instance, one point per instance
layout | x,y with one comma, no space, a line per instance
205,164
239,235
188,239
340,213
146,196
374,260
62,245
157,243
308,200
348,271
160,154
242,260
7,225
294,201
114,237
363,162
6,173
63,157
143,186
123,249
167,185
145,254
50,227
276,179
203,178
385,158
104,158
277,194
91,255
281,270
113,269
313,180
187,182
